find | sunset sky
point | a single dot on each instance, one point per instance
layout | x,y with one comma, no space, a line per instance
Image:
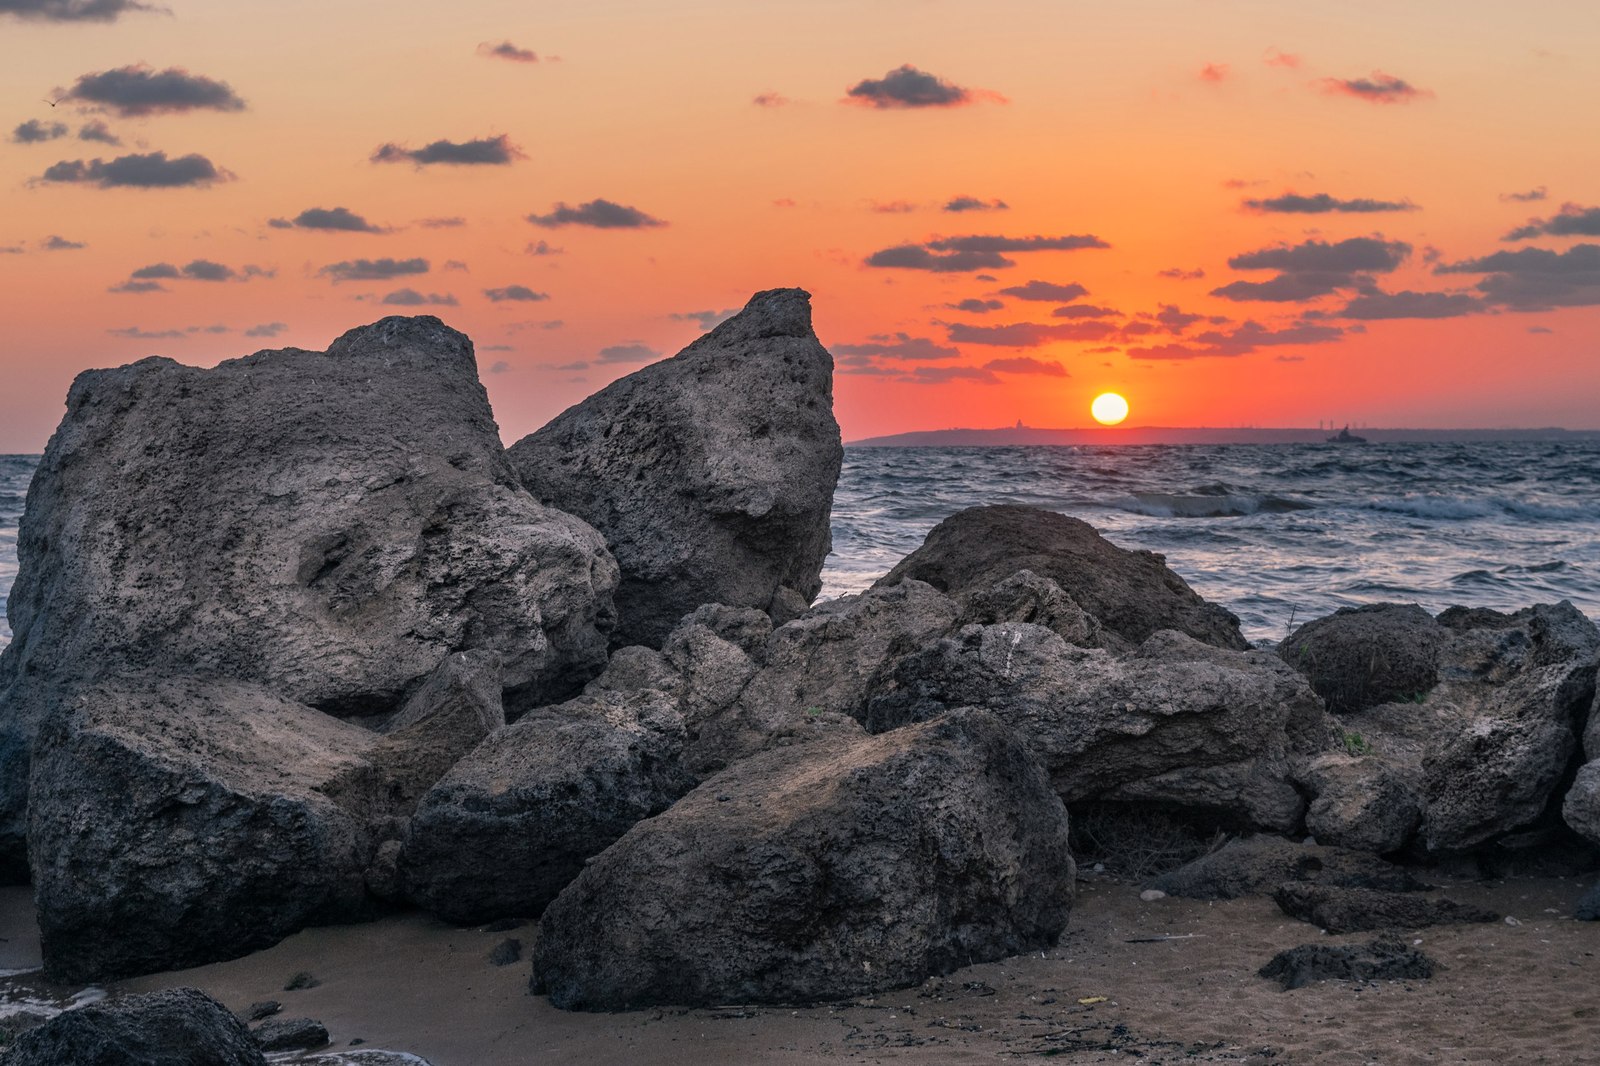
1235,213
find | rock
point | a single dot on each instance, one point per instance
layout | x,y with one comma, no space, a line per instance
290,1034
455,709
506,952
301,981
515,820
330,525
840,868
1384,959
1132,594
1256,866
1150,895
1027,597
257,1011
1581,808
173,1027
711,474
1198,728
1588,908
1354,910
1363,801
1359,657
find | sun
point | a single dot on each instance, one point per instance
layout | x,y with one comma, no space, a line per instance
1109,408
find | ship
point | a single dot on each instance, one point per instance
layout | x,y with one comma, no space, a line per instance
1344,436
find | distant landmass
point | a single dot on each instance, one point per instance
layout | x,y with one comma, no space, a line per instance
1024,435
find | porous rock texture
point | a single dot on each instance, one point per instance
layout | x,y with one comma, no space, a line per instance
711,474
1355,910
330,525
1384,959
1132,594
1359,657
173,1027
844,867
1257,865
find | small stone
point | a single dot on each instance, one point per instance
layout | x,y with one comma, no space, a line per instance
1150,895
1512,921
506,952
290,1034
299,981
256,1011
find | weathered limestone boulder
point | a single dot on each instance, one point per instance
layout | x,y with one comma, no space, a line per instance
515,820
1359,657
1182,724
330,525
1132,594
1364,800
1257,865
841,868
711,474
173,1027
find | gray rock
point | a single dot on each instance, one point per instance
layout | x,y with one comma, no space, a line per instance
1355,910
515,820
329,525
1588,908
507,952
845,867
173,1027
1384,959
1132,594
1359,657
1581,807
1027,597
1363,800
711,474
257,1011
290,1034
1256,866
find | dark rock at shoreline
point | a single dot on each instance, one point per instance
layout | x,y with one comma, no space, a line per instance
1355,910
1132,594
844,867
173,1027
257,1011
1384,959
290,1034
711,474
1358,657
1256,866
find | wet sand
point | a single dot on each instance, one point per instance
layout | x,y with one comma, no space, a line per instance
1523,993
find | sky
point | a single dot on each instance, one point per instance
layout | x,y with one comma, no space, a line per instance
1232,212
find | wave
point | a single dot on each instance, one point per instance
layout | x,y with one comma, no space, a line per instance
1211,501
1457,508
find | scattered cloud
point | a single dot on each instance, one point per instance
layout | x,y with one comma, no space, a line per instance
1029,334
1085,311
785,201
917,257
157,270
706,320
972,203
508,51
499,366
1314,268
453,222
891,207
12,249
138,287
1046,291
456,264
413,298
218,328
1321,203
1214,72
55,243
989,243
515,294
484,151
194,270
99,132
1242,340
266,329
1026,364
771,100
1379,305
206,270
975,306
373,269
542,248
340,219
1528,197
138,90
1540,329
35,132
1180,274
1286,60
627,353
1379,88
939,375
1174,320
73,10
897,346
1532,279
1572,220
136,333
906,87
597,214
149,171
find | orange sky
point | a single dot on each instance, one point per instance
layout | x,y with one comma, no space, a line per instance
1146,124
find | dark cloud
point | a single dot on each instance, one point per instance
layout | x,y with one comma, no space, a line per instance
1046,291
218,328
891,207
972,203
1321,203
373,269
485,151
627,353
1026,364
136,333
975,306
1380,88
1291,287
98,132
442,223
1531,196
55,243
1246,338
1174,320
1408,304
507,50
916,257
1532,279
266,329
706,320
907,87
156,270
899,346
598,214
34,132
1347,256
1084,311
1572,220
206,270
456,264
515,294
1180,274
151,171
939,375
138,287
770,100
413,298
499,366
137,90
1029,334
987,243
341,219
73,10
542,248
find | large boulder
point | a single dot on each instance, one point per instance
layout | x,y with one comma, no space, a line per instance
849,866
173,1027
1132,594
1359,657
1257,865
330,525
711,474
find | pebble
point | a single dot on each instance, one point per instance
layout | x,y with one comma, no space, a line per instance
1150,895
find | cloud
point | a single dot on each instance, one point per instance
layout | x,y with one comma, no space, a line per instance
507,50
1347,256
989,243
1290,287
771,100
1084,311
1214,72
456,264
99,132
627,353
785,201
515,294
138,287
150,171
35,132
206,270
1532,279
266,329
891,207
72,10
1540,329
135,333
1246,338
219,328
453,222
1026,364
156,270
1321,203
499,366
1379,305
898,346
579,365
12,249
542,248
1174,320
975,306
597,214
1029,334
1531,196
1286,60
1573,220
373,269
972,203
1046,290
939,375
1180,274
1380,88
907,87
55,243
485,151
413,298
194,270
706,320
917,257
137,90
341,219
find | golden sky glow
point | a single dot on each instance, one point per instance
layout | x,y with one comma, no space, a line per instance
774,142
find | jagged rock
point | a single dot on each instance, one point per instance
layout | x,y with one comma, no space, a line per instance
1356,910
1359,657
1581,808
454,710
330,525
515,820
1182,724
848,866
1132,594
290,1034
1027,597
1256,866
711,474
1385,959
173,1027
1363,800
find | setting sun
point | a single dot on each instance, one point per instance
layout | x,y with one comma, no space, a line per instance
1109,408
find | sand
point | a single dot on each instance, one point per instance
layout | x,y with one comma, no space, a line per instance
1503,993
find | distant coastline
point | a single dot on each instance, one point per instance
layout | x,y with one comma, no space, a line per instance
1012,436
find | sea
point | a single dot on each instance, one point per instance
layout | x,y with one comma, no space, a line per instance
1279,533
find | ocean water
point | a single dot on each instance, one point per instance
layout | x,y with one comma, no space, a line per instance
1276,533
